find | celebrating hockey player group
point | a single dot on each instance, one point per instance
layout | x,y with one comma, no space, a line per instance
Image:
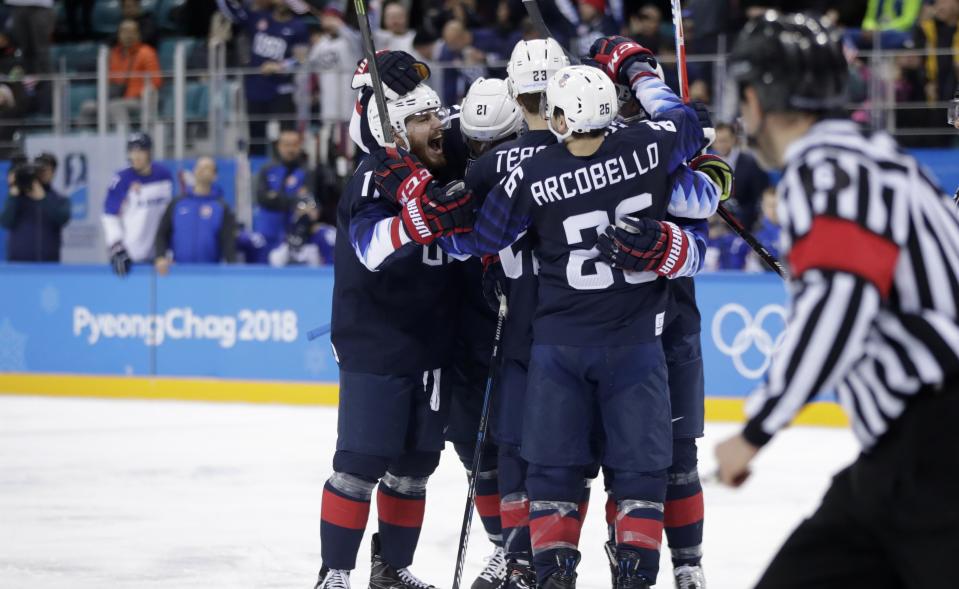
589,223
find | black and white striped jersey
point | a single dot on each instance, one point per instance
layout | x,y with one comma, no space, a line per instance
873,248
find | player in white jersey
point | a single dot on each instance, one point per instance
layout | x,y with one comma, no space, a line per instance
136,200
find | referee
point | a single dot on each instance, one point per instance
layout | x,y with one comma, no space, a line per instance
873,249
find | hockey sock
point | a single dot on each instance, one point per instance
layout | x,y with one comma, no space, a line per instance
400,505
554,519
639,517
487,489
514,503
345,509
684,505
583,507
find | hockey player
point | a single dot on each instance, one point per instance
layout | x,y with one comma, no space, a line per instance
488,116
540,195
135,203
873,251
627,246
394,396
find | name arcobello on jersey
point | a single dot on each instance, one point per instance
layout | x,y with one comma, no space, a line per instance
594,177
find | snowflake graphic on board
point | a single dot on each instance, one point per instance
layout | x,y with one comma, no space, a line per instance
13,345
314,360
49,299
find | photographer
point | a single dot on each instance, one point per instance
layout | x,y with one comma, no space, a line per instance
33,215
309,242
199,227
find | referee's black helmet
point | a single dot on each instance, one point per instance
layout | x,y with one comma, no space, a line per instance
794,62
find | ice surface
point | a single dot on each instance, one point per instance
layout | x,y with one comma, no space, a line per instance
137,494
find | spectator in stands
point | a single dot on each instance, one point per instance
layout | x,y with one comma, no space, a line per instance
280,186
497,41
31,26
751,180
14,102
768,230
891,20
133,10
333,57
35,217
198,227
725,249
395,34
79,15
461,63
133,67
645,27
939,33
279,42
593,24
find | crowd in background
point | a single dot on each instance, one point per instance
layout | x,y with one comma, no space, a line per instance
286,45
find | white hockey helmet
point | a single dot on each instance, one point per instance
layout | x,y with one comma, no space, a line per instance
586,95
489,113
532,64
419,100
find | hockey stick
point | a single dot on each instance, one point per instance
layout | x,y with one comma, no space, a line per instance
536,19
370,52
317,332
730,219
480,444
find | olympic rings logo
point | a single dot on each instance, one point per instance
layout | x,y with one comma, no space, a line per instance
752,334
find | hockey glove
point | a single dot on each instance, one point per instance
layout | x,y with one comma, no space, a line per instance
641,244
399,72
494,281
720,172
120,260
399,175
439,212
705,121
623,59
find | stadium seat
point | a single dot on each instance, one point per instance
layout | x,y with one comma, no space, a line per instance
197,101
81,92
106,17
77,57
161,13
168,46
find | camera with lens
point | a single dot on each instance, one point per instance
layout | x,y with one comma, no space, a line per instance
24,175
303,218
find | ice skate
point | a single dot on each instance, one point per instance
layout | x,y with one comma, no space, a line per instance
520,574
690,577
628,576
493,575
384,576
332,579
565,577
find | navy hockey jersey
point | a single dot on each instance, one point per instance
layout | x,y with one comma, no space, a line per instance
517,259
567,201
270,40
394,301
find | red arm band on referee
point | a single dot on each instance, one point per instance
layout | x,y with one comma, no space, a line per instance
838,244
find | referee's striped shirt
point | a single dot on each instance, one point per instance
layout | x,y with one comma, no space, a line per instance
873,247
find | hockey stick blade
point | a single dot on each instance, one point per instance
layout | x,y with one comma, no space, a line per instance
480,444
317,332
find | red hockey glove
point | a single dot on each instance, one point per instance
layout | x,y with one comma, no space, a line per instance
399,175
438,212
642,244
617,55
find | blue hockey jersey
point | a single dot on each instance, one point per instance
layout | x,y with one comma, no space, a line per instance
198,229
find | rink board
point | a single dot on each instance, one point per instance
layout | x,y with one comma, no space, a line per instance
221,333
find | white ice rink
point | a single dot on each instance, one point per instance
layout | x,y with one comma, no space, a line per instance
136,494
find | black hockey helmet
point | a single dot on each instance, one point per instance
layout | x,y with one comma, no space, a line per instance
139,140
793,61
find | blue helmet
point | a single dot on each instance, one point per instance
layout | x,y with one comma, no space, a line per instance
139,140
